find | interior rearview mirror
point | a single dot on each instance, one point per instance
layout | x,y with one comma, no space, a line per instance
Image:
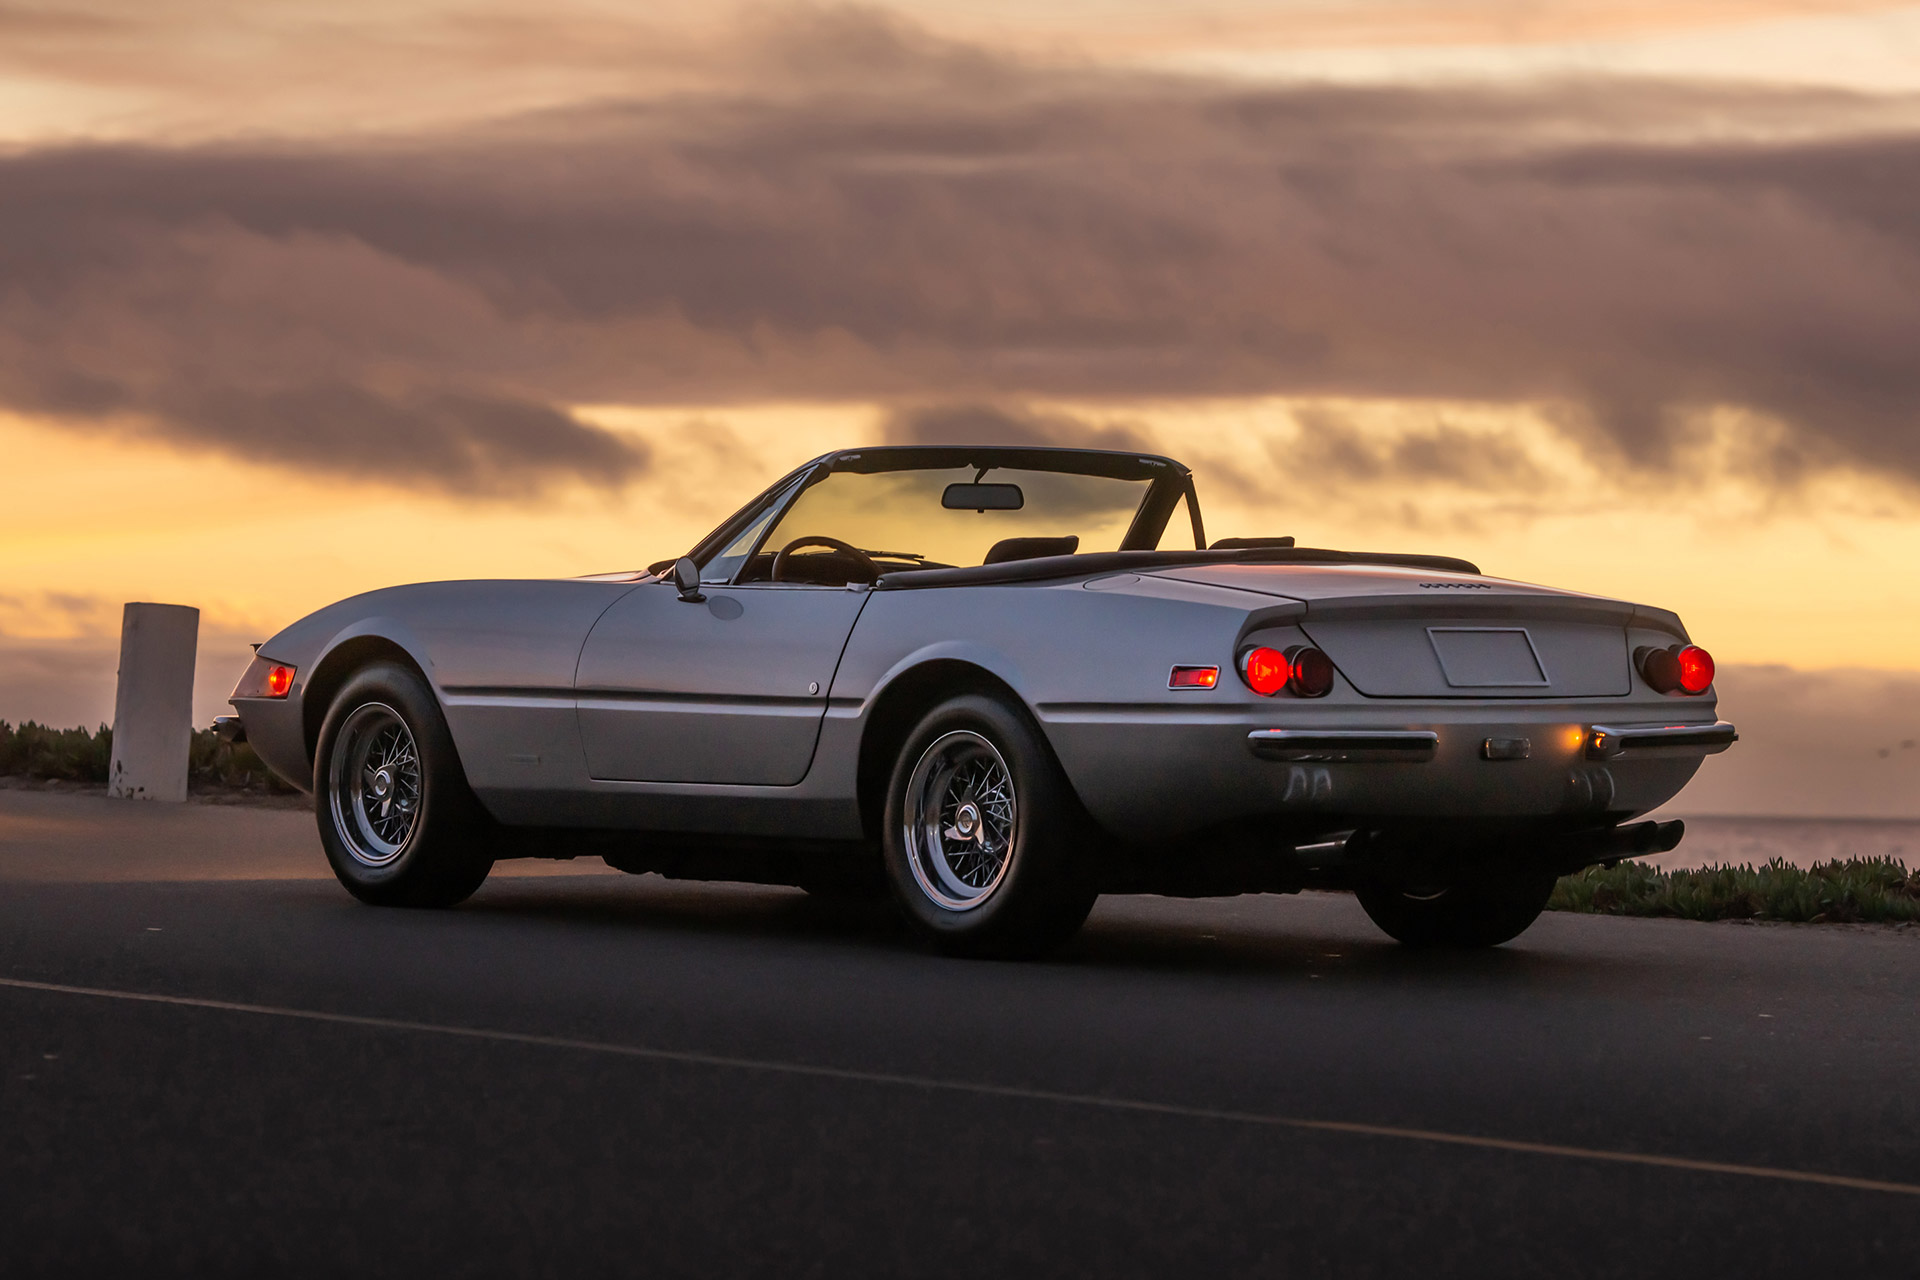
983,497
686,576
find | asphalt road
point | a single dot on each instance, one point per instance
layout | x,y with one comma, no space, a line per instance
586,1073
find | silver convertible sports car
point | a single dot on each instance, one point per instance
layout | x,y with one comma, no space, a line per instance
996,683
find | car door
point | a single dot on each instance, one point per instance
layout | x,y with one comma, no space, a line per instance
730,689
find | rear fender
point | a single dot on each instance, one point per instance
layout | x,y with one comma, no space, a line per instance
908,690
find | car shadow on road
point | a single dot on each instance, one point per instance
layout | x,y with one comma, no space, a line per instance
699,907
1309,954
1306,938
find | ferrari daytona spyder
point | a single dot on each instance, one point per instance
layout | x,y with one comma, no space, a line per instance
995,683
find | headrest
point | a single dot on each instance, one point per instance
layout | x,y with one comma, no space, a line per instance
1031,548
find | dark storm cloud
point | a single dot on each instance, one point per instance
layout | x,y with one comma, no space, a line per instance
465,442
872,214
1009,425
1334,450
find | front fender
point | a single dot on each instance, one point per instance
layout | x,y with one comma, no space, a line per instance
322,652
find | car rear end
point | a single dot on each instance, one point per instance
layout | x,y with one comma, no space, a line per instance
1445,712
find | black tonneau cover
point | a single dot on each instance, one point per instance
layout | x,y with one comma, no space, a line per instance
1045,568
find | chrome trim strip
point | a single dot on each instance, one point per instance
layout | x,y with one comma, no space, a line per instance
1344,746
1605,741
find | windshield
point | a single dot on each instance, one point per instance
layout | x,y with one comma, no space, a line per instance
852,525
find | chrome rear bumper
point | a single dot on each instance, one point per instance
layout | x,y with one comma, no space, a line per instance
1413,746
1605,742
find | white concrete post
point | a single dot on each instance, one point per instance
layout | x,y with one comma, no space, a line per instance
153,709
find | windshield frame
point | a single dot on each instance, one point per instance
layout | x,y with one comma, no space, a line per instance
1169,481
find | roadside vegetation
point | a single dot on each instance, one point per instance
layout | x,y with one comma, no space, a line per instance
1859,890
35,751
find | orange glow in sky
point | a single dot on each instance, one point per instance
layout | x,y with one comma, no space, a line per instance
1616,297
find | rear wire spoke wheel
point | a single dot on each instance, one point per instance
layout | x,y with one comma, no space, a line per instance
398,821
986,846
961,820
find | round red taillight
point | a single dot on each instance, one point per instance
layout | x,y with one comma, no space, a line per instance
1312,672
1696,669
1267,671
279,681
1677,669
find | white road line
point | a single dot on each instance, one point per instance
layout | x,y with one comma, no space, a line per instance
1134,1106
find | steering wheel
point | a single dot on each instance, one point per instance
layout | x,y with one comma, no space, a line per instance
784,561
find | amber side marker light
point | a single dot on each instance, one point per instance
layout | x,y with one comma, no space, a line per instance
265,679
1193,678
1680,668
1303,671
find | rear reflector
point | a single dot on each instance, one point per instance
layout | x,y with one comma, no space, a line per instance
1193,678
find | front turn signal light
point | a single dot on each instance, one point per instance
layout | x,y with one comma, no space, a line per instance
265,678
1680,668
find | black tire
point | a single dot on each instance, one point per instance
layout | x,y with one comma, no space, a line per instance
1017,882
398,834
1483,913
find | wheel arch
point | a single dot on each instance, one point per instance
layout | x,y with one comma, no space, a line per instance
337,666
899,706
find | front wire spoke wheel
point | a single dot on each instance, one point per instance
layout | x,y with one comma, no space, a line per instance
376,784
960,820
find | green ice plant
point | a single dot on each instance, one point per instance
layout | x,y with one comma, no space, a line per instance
1855,890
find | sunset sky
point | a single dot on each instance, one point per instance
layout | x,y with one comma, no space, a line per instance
299,299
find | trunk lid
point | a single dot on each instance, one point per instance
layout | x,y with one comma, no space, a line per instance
1417,633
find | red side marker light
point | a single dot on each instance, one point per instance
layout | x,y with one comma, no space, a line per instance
1193,678
279,681
1267,671
1696,669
